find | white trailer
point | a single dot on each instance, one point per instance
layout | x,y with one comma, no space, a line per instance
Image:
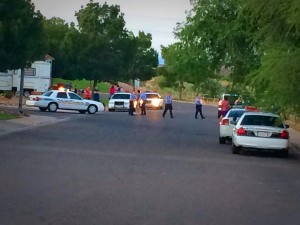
37,78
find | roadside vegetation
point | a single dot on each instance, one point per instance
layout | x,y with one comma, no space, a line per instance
7,116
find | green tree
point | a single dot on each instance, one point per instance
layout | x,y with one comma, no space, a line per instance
21,34
102,27
139,59
55,34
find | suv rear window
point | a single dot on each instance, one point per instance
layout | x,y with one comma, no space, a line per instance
262,120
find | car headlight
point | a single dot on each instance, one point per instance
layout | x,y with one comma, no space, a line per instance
155,102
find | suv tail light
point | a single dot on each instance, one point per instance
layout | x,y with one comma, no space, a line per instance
284,134
225,122
241,131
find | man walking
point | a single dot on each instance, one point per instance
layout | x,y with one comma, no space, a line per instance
198,107
131,103
143,99
168,105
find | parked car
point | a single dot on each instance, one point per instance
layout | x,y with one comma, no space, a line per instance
62,99
261,131
226,127
154,100
119,101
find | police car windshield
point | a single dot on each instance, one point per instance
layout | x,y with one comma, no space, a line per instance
121,96
152,96
236,113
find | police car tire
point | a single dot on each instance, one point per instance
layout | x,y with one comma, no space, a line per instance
222,140
235,149
52,107
92,109
284,153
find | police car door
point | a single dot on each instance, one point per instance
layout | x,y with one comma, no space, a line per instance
76,101
62,100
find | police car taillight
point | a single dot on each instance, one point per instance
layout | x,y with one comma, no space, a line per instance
284,134
225,122
36,99
241,131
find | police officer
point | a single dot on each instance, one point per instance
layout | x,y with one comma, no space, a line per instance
198,107
168,105
131,103
143,98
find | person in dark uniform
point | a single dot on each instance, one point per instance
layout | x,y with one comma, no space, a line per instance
168,105
143,98
131,103
198,107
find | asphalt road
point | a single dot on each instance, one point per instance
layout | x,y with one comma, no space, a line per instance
114,169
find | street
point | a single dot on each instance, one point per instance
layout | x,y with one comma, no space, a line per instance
114,169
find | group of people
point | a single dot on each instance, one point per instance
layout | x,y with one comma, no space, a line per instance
86,93
114,89
142,98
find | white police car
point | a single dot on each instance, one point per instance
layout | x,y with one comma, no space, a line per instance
61,99
261,131
226,126
120,101
154,100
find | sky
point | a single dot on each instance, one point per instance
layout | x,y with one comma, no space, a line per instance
158,17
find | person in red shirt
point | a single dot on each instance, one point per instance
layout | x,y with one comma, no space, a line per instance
112,90
225,106
87,93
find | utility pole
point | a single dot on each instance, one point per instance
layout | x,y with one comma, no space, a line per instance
21,91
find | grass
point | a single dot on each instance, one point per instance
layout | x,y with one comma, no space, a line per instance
7,116
82,84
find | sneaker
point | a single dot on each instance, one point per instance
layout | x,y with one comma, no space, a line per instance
203,117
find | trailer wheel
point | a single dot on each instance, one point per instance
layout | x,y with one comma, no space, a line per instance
26,93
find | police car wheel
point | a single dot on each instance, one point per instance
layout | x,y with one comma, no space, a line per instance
92,109
222,140
52,107
235,149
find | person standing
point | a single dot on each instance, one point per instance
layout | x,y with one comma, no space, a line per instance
131,103
112,90
198,107
143,98
137,108
75,89
225,106
96,95
168,105
87,93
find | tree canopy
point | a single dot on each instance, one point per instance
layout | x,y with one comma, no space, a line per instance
21,34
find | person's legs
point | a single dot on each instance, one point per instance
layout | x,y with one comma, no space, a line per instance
200,111
165,111
196,113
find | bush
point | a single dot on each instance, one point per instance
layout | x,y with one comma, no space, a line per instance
8,94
